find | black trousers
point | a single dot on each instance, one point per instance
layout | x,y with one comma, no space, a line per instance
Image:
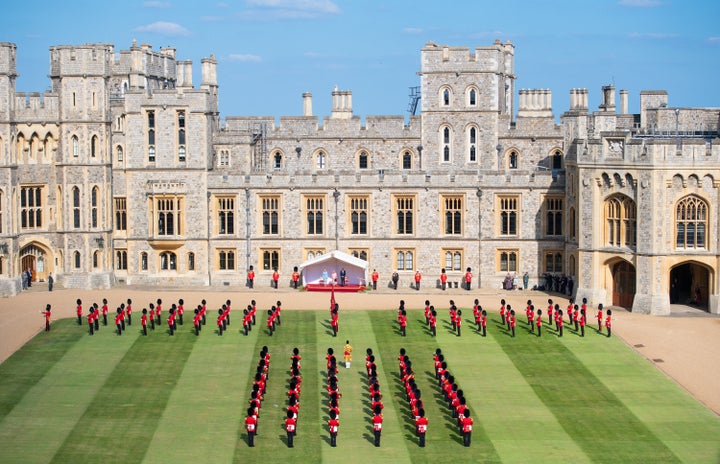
484,331
421,440
104,319
119,329
145,330
333,439
466,438
92,328
251,439
377,437
97,324
609,331
290,436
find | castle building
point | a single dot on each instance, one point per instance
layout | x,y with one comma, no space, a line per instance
124,173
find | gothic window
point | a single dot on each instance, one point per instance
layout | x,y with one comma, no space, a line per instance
620,221
556,159
359,215
508,207
513,160
691,216
363,160
31,207
320,159
226,215
121,260
277,160
119,152
404,259
168,215
314,213
76,260
404,209
446,97
120,213
452,210
472,97
270,258
151,136
76,207
168,261
446,143
94,207
553,216
406,160
93,146
452,259
181,154
191,261
270,214
226,260
143,261
361,253
472,144
75,146
507,260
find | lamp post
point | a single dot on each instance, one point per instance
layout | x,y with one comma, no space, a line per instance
420,149
336,196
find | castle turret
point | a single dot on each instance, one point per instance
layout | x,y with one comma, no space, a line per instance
8,74
341,104
307,104
209,74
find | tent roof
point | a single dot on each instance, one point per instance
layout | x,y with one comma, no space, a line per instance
336,254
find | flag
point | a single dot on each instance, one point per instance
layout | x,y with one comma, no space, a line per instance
332,298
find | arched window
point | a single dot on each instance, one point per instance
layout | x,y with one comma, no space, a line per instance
191,261
472,145
76,259
321,160
168,261
472,97
691,216
75,146
446,97
556,161
404,260
119,152
277,160
93,146
94,207
76,207
406,160
513,160
446,143
143,261
363,160
620,221
121,260
96,259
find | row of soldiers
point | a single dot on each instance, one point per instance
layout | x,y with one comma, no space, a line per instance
256,395
293,394
376,405
333,392
412,393
454,396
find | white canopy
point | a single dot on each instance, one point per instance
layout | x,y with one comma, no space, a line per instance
356,270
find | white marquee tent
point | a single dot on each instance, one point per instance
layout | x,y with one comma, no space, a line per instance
355,268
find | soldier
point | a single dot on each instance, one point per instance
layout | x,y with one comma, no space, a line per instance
608,322
576,317
96,317
251,426
458,321
483,322
227,312
296,277
247,321
220,321
600,317
347,354
271,321
333,425
531,319
253,311
290,425
468,279
466,425
374,277
251,277
128,311
512,323
203,309
334,320
427,312
78,310
443,279
122,311
197,321
582,322
418,278
105,311
278,307
421,424
46,313
171,321
91,320
508,308
151,316
158,310
550,311
180,310
377,421
402,319
275,278
143,321
539,322
502,311
559,322
118,321
433,321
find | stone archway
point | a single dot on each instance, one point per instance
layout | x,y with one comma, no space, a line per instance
690,284
38,259
623,284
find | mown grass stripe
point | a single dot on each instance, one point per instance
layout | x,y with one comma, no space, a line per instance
606,430
24,369
503,402
121,419
48,412
420,347
209,400
297,330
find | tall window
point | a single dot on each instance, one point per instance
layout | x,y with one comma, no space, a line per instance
553,261
224,158
120,213
270,214
277,160
75,146
168,215
513,160
76,260
507,260
226,260
121,260
363,160
620,221
76,207
508,215
472,97
452,259
96,259
314,215
93,146
1,213
452,209
31,207
181,135
553,216
168,261
404,260
94,207
191,261
571,223
151,135
404,213
270,259
143,261
406,160
691,216
446,144
226,215
119,152
472,144
321,160
446,97
358,215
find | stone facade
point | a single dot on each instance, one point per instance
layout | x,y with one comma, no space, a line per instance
124,173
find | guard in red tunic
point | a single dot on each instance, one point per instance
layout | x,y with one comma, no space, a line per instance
427,312
295,277
550,312
91,321
403,322
576,317
227,313
468,279
608,322
251,277
421,424
377,421
158,310
171,321
79,311
180,310
334,320
251,426
196,321
600,317
433,321
559,322
253,311
143,321
458,321
443,279
483,322
275,278
203,310
118,321
502,311
128,311
271,321
278,308
96,317
290,425
508,308
105,311
531,319
466,427
538,322
220,321
122,311
512,323
374,277
418,278
151,316
333,425
46,313
582,322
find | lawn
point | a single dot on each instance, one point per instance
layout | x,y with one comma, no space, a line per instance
71,398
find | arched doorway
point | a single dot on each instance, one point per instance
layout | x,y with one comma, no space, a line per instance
35,258
623,277
690,284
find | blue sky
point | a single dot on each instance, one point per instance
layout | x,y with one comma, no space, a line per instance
271,51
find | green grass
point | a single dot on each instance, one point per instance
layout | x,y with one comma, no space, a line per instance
69,397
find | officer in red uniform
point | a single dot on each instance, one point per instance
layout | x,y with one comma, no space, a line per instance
151,316
403,321
171,321
105,311
608,322
512,322
334,320
143,321
196,321
180,310
128,311
158,310
483,322
418,278
374,277
466,427
275,278
458,321
443,279
290,425
559,322
203,310
377,421
78,310
251,277
582,322
220,321
531,318
433,321
502,311
421,424
600,317
539,322
295,277
251,426
468,279
333,425
118,321
91,320
46,313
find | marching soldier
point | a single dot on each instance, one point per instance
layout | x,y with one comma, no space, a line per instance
251,426
290,425
333,425
143,321
608,321
377,421
421,424
46,313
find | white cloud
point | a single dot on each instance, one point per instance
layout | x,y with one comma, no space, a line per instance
413,30
164,28
157,4
288,9
640,3
244,57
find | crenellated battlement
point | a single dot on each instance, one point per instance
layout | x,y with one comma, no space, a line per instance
82,60
35,106
8,64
